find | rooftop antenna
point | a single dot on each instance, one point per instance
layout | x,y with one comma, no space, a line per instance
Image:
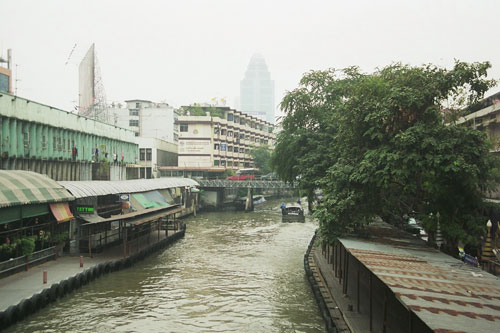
17,79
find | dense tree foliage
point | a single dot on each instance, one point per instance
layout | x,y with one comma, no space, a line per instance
262,159
377,145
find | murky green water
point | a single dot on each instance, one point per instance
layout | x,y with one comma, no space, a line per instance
233,272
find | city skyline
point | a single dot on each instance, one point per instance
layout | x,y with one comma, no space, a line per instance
191,52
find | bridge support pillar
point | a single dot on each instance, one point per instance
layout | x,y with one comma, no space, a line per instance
249,202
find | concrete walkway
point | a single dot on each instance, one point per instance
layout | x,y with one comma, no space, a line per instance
22,285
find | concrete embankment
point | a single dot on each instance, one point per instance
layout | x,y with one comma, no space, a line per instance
14,289
334,320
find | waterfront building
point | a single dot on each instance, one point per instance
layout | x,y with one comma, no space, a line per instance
220,137
61,144
33,209
257,90
155,154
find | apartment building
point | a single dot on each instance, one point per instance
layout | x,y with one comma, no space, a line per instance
212,136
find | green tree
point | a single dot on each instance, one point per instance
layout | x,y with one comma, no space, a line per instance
376,144
262,158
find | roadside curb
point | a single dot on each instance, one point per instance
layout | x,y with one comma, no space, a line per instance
28,306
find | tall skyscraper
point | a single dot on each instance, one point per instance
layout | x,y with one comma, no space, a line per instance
257,90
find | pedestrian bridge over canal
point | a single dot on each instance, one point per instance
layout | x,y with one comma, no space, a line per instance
256,184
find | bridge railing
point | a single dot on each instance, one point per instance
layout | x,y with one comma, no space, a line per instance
244,183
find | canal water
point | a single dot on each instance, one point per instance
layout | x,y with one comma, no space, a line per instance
233,272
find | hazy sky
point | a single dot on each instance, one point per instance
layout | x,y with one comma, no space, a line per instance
187,51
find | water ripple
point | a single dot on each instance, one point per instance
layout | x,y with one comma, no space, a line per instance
233,271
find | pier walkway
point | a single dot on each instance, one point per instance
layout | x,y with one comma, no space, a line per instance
18,291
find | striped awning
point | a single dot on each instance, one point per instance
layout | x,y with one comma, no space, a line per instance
61,211
19,187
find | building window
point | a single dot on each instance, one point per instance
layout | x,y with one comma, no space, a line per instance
148,154
26,139
223,162
134,123
133,112
216,130
216,146
230,148
229,163
136,133
230,117
176,137
44,142
223,132
242,150
137,105
216,162
230,133
183,128
142,154
236,119
54,145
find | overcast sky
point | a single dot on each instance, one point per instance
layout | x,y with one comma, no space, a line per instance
188,51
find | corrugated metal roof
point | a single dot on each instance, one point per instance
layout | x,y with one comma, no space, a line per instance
92,188
18,187
444,292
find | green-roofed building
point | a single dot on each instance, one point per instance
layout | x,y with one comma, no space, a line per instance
33,208
63,145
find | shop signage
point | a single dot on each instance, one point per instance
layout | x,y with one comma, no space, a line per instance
124,197
85,210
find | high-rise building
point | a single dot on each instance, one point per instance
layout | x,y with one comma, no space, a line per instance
257,90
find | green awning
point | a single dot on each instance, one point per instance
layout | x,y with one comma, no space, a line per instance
16,213
19,187
152,199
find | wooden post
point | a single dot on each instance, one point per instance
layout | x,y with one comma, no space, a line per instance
125,240
357,293
346,270
335,251
340,264
371,297
90,245
137,237
384,328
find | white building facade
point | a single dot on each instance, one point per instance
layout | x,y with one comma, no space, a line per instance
155,153
222,137
156,133
147,119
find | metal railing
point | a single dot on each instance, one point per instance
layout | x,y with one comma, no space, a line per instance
23,263
244,183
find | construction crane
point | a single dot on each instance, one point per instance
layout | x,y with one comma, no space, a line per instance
70,54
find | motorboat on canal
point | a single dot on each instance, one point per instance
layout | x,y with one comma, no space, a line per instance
293,213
